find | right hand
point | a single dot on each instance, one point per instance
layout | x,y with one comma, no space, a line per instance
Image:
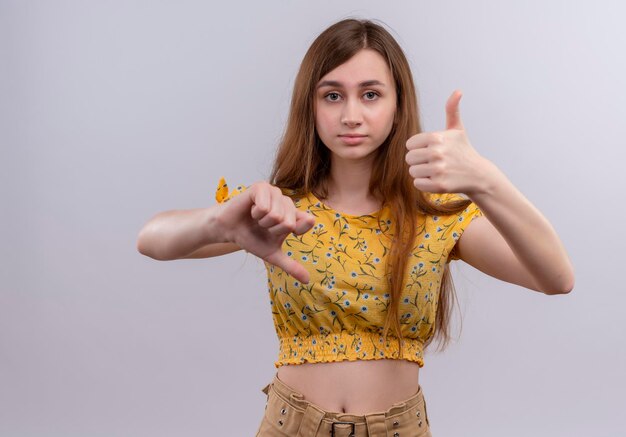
259,219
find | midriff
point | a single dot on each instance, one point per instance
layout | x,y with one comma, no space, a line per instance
355,387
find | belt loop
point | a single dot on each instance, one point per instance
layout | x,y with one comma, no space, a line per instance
310,422
376,424
266,389
426,413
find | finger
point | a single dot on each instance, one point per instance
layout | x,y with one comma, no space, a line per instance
423,140
417,156
277,210
426,185
288,223
453,114
304,222
262,201
290,266
421,171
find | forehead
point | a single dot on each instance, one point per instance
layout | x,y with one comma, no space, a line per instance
365,65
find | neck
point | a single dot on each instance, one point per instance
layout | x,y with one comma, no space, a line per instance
349,181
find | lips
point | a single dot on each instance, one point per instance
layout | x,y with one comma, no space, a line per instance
352,139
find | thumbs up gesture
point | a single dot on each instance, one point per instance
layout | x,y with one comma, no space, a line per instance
445,161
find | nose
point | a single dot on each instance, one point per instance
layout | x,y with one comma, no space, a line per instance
351,115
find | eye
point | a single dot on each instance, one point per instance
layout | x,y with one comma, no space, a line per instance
373,95
331,94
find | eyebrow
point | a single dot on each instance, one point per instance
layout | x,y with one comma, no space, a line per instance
336,84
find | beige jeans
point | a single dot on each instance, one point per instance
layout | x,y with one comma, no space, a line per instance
288,414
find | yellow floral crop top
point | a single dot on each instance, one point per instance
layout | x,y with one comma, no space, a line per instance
340,314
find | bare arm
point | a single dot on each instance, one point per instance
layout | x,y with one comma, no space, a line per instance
257,220
189,233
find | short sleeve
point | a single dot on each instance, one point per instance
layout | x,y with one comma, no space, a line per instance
458,222
222,195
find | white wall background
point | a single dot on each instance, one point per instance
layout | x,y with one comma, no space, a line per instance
113,111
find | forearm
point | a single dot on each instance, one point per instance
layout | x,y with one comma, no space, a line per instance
528,233
173,234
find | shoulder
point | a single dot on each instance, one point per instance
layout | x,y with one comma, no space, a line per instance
222,193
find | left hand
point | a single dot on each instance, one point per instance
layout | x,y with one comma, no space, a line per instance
445,161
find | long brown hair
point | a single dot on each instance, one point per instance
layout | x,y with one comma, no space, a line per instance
302,162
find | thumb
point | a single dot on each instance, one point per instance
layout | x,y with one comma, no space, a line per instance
453,115
292,267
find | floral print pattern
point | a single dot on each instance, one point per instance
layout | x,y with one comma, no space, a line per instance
340,314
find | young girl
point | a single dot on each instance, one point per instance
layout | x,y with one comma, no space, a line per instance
357,226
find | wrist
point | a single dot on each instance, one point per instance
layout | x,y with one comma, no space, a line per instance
216,230
490,177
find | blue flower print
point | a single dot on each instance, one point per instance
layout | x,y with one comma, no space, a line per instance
377,260
406,300
333,313
287,305
304,258
354,274
461,218
386,295
366,296
421,265
289,253
413,328
435,218
347,303
364,309
314,341
296,284
304,317
427,235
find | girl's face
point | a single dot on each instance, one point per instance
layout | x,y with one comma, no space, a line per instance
355,105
